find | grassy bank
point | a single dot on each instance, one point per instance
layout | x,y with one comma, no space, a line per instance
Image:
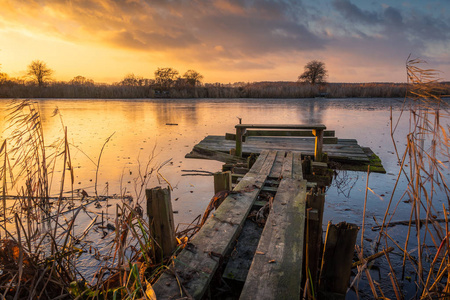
9,89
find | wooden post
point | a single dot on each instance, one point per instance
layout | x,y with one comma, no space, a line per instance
315,204
337,260
160,214
222,181
306,166
318,133
239,135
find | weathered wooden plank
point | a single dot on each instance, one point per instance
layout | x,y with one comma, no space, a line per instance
282,126
292,132
268,163
276,269
196,265
287,167
259,162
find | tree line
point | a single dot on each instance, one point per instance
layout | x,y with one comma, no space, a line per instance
40,74
167,83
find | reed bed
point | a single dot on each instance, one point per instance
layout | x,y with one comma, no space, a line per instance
44,239
292,90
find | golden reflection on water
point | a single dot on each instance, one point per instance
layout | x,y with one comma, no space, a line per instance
141,126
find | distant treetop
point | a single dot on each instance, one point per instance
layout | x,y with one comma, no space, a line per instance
314,73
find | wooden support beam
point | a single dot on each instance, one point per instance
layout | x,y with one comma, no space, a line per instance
160,214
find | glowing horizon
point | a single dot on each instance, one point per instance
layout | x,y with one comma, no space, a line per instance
226,41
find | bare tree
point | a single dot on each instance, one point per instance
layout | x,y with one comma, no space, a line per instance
81,80
39,71
315,72
165,77
133,80
193,77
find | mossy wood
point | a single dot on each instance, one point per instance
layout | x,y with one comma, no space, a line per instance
276,269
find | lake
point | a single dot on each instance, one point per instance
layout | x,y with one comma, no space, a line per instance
140,131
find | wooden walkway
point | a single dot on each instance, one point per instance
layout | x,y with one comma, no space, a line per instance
276,270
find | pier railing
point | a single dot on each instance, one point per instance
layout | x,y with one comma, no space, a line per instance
317,130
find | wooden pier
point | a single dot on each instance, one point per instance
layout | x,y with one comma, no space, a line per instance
311,140
269,261
277,265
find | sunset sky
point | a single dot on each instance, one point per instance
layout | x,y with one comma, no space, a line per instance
226,41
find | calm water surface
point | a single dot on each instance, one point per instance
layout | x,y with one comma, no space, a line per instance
139,129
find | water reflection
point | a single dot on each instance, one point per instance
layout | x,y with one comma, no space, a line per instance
140,130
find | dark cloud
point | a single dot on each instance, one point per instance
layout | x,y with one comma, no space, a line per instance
241,28
354,13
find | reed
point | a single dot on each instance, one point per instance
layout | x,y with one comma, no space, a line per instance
422,165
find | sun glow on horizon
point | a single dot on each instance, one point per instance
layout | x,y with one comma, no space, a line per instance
225,42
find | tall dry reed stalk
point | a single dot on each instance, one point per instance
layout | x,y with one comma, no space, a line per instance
38,244
423,164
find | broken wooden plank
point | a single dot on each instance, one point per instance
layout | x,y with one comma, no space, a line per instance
276,269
